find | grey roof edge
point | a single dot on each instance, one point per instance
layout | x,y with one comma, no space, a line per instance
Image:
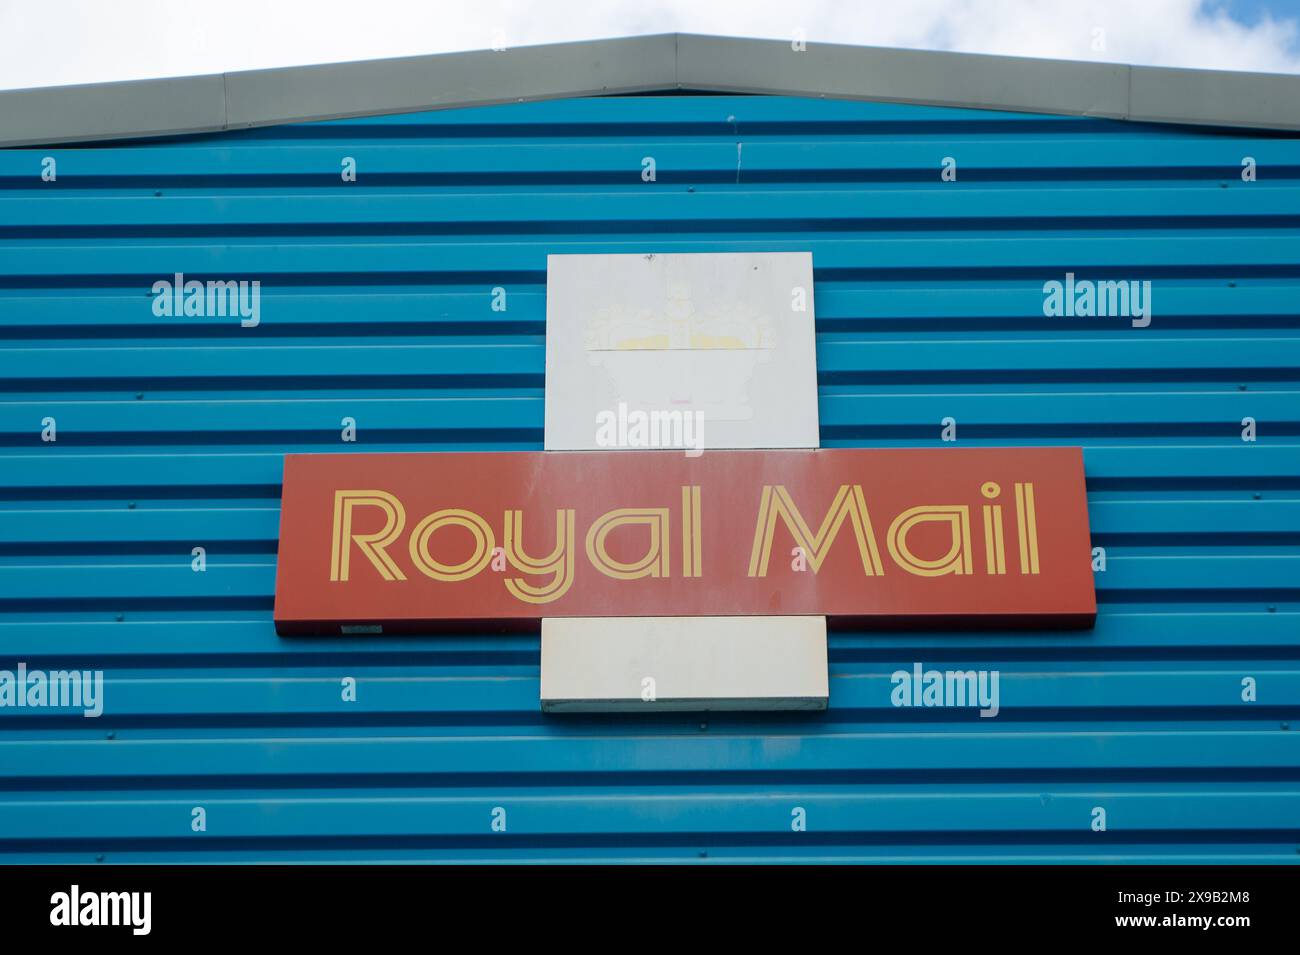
662,62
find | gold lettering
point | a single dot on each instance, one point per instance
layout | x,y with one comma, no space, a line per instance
956,561
484,542
654,563
776,503
372,546
560,562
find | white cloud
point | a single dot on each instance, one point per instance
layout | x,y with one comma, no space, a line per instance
80,41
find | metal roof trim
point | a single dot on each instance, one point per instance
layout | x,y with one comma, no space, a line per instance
663,62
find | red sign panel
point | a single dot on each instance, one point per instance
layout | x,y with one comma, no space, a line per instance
382,543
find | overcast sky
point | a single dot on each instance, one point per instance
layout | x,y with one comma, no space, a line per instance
54,42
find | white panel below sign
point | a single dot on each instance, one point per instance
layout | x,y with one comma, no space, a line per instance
606,664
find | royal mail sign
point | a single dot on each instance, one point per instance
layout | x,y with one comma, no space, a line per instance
404,542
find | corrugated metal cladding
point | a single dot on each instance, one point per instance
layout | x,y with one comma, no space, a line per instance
376,305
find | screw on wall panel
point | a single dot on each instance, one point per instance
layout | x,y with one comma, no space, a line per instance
139,395
110,735
1272,610
130,505
157,192
120,616
704,726
1241,387
99,857
1257,495
704,853
1286,726
690,188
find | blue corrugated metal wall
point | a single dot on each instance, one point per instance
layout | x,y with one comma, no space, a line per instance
376,305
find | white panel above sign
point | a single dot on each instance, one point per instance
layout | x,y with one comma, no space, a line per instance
693,350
